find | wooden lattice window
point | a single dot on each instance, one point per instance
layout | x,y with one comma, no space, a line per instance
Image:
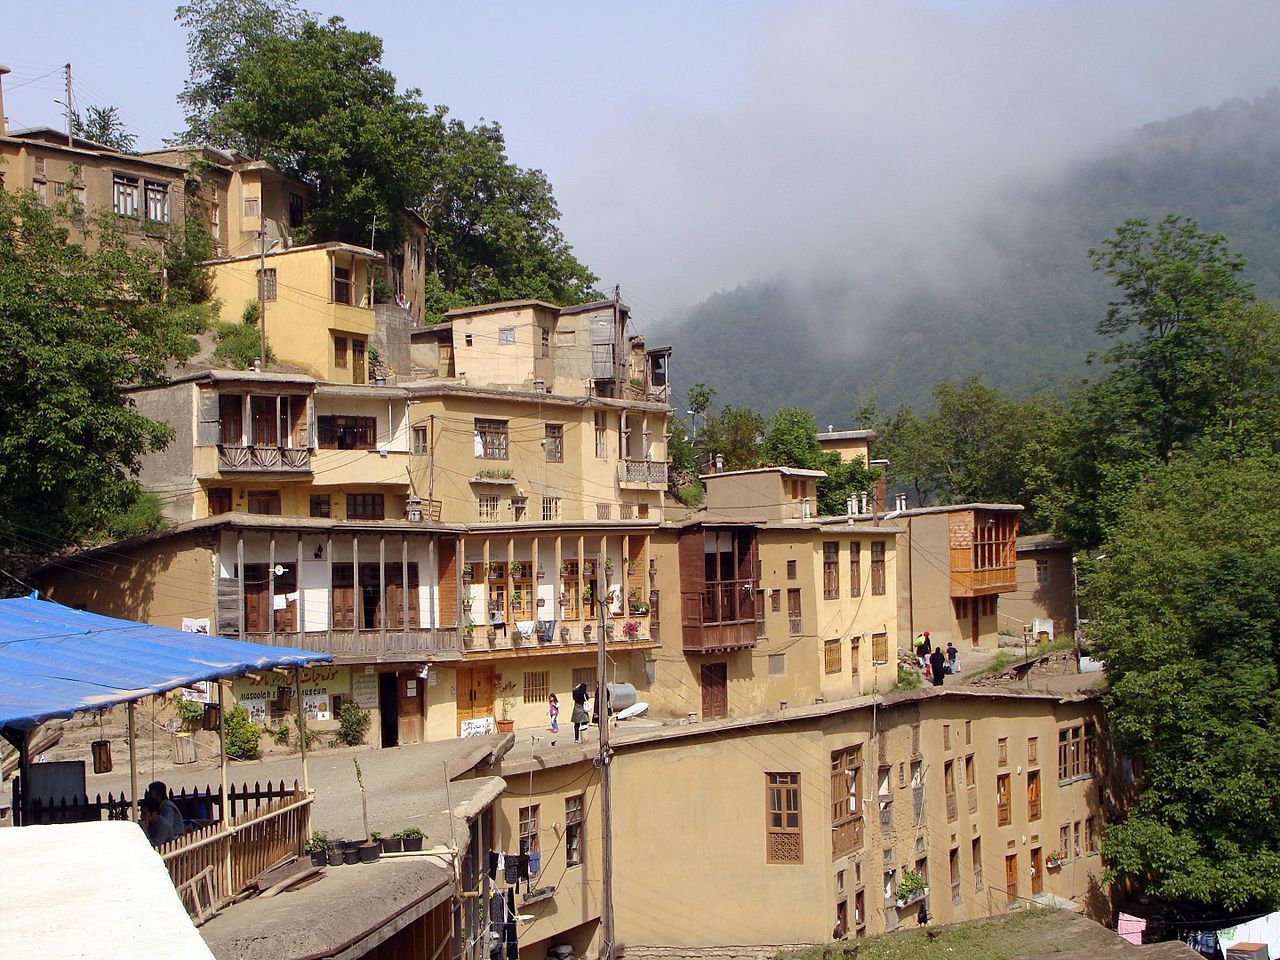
553,441
830,570
846,801
877,568
784,842
573,830
537,684
880,648
491,439
831,656
529,840
855,569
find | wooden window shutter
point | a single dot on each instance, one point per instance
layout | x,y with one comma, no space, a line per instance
208,429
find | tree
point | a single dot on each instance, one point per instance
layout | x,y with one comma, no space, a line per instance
79,323
791,440
103,125
219,32
734,435
316,103
1186,612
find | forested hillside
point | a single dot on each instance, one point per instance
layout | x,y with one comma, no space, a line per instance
1025,327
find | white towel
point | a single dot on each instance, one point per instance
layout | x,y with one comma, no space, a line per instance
525,627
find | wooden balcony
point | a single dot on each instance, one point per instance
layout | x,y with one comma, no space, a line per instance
847,838
252,459
721,617
570,636
369,646
642,474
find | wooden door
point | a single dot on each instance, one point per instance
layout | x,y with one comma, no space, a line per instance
715,691
474,693
257,598
1011,877
412,697
974,627
1037,871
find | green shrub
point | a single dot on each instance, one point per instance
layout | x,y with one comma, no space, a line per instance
316,842
190,712
690,494
312,735
242,736
353,723
238,344
145,515
1000,661
908,679
251,313
280,735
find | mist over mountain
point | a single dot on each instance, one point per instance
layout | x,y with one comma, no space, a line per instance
1019,305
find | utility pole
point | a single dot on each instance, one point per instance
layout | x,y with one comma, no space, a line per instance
1075,601
262,293
602,762
70,114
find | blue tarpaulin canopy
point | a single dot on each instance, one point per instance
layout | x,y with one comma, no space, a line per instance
55,661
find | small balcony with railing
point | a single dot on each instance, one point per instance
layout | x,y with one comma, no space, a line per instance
983,546
722,616
248,433
642,474
255,459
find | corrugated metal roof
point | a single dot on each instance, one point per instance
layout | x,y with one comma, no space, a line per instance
55,661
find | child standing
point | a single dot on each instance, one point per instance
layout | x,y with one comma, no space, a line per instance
553,711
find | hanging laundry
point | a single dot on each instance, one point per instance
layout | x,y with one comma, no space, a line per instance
502,862
524,866
513,947
512,871
535,864
493,863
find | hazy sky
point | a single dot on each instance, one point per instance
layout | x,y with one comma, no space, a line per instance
697,146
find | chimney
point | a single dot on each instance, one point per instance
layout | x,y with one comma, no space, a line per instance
4,124
719,464
901,503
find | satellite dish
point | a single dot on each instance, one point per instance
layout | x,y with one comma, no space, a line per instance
279,570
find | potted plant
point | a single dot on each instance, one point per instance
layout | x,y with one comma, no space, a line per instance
371,849
393,843
631,629
1054,860
315,846
517,568
412,838
637,606
468,636
507,690
911,888
495,570
336,853
466,571
608,565
376,837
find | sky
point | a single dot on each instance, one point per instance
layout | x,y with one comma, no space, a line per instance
694,147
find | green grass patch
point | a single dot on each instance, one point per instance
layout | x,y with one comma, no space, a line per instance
1033,933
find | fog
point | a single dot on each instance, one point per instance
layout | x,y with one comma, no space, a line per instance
885,144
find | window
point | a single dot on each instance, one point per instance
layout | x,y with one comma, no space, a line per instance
537,685
41,168
296,209
265,502
1076,751
949,788
421,441
546,342
783,840
954,861
830,570
487,507
604,511
491,439
585,675
1033,794
1033,749
831,656
968,732
855,570
529,841
1042,572
157,197
357,360
554,442
124,195
320,505
880,648
855,654
230,419
466,337
267,282
777,664
846,800
347,433
1064,839
946,736
550,508
1002,751
252,206
987,606
626,511
365,506
1075,839
759,614
791,569
969,777
602,435
775,601
340,352
1090,835
519,508
877,568
573,826
219,500
506,335
1003,797
41,191
342,285
796,621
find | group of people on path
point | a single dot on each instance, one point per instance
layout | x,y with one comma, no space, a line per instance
579,712
935,661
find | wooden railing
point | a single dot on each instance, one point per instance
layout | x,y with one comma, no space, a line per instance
973,798
632,630
1003,817
722,616
642,471
358,645
233,459
847,837
952,811
969,583
242,849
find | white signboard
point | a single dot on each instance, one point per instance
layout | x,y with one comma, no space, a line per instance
364,689
316,707
194,625
478,727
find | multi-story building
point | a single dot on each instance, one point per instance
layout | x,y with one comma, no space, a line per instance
1046,587
994,800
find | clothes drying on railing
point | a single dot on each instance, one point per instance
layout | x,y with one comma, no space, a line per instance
546,630
497,618
525,629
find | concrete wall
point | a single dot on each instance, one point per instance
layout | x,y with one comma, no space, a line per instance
170,472
391,337
484,361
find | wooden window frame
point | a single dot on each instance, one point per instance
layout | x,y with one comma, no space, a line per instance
493,437
341,432
553,442
530,838
155,194
880,648
487,506
421,441
261,497
832,651
830,570
877,568
360,506
574,830
340,352
1004,800
855,569
537,685
128,188
795,612
269,284
320,505
601,420
1035,787
792,570
506,336
220,500
343,286
550,508
1002,751
780,790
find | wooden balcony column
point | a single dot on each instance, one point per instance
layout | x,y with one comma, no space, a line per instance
626,574
382,588
508,614
355,585
433,565
302,608
583,612
533,601
271,589
484,579
240,578
557,582
404,583
328,553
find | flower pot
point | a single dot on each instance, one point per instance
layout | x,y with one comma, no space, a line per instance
392,844
101,756
413,844
370,852
351,856
334,856
319,858
505,726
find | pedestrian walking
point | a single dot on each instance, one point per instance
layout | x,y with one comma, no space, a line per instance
953,658
923,647
553,711
937,664
579,710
